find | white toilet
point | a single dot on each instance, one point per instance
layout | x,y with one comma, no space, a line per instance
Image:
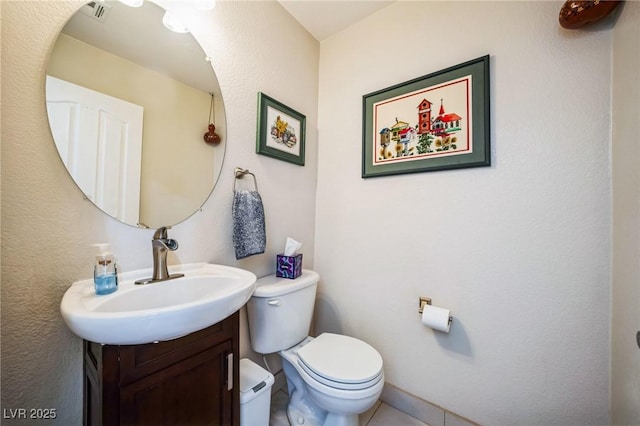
331,378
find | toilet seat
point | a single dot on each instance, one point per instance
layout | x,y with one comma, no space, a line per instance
341,362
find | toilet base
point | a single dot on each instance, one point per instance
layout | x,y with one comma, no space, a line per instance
334,419
300,414
301,410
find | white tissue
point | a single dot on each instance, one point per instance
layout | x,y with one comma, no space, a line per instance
436,318
291,247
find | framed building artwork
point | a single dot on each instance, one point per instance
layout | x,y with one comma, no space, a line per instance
435,122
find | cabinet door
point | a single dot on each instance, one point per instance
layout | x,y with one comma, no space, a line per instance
169,397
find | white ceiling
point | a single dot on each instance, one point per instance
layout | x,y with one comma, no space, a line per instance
322,18
138,35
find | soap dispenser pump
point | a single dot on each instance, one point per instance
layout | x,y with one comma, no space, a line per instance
105,273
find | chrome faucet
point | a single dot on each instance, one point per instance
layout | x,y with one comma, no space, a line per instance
160,245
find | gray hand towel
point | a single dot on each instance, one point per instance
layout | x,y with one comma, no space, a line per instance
249,235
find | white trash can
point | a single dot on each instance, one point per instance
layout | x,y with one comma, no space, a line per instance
255,394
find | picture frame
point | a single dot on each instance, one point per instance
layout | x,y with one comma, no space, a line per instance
439,121
281,131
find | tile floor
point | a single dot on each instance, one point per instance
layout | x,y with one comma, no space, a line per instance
380,414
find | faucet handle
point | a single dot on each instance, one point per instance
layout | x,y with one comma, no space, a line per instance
161,233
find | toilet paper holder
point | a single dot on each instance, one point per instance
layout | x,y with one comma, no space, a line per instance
423,301
427,301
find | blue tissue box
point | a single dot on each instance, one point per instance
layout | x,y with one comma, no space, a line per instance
289,266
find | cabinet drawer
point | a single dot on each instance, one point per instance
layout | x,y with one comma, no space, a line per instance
137,361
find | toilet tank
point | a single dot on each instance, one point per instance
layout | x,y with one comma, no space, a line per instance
280,311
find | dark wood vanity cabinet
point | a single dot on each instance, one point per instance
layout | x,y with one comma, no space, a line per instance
186,381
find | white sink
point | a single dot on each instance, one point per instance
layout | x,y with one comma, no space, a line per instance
137,314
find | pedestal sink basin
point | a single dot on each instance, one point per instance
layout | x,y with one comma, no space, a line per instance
138,314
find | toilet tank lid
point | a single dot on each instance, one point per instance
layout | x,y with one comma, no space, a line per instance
271,286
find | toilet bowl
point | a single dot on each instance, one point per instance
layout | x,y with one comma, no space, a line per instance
331,378
338,387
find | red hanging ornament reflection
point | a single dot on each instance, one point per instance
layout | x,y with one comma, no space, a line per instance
211,137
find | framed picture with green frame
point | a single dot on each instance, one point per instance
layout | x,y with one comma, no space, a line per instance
281,131
439,121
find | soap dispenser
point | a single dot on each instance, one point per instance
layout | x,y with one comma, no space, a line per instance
105,273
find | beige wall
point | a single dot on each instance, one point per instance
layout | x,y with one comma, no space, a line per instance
519,251
177,166
47,227
625,152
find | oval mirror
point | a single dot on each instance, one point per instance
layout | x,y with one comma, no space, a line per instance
129,102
